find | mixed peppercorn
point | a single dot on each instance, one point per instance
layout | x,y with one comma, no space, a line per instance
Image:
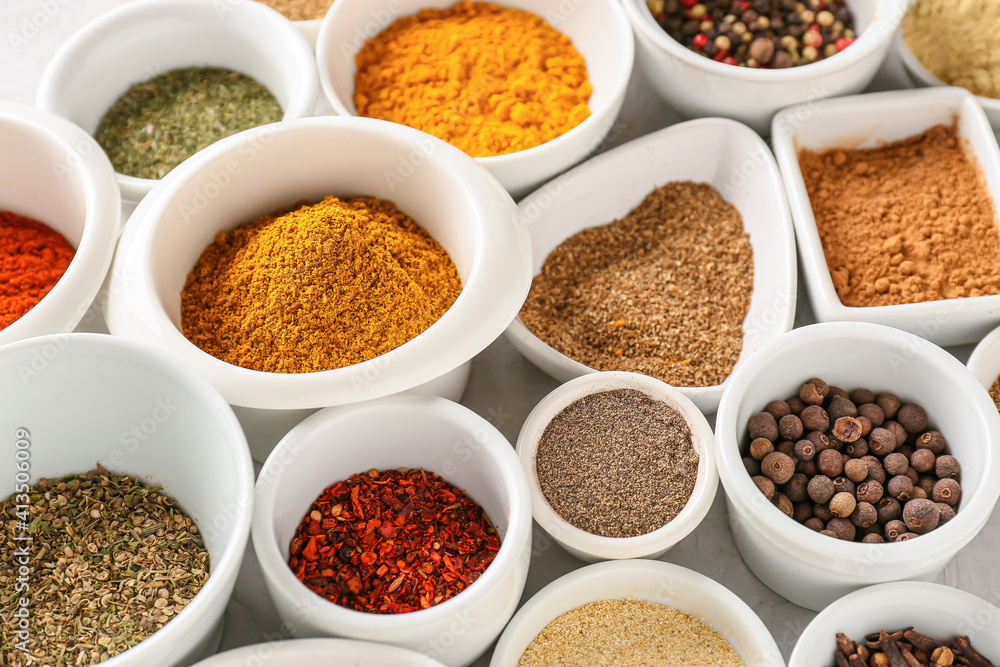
766,34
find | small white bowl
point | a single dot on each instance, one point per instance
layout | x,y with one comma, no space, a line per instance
587,546
54,172
813,570
698,86
266,168
721,152
655,581
413,431
866,121
984,362
938,611
142,39
599,30
89,398
921,77
345,652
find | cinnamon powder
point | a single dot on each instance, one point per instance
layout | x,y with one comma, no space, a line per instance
907,222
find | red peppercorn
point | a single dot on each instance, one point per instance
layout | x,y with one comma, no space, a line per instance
844,42
700,40
688,4
729,60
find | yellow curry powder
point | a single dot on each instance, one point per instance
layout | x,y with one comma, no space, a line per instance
487,79
323,286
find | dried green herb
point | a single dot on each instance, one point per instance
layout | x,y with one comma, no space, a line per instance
159,123
111,560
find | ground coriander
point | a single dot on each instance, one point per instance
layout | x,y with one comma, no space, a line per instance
112,560
617,463
157,124
662,292
628,633
300,10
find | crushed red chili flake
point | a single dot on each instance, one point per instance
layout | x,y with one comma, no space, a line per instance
391,542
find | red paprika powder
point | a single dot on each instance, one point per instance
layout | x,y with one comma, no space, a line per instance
33,257
392,542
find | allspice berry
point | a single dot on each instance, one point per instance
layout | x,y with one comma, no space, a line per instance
875,469
922,460
820,489
777,467
842,528
870,491
815,418
871,412
841,407
920,515
932,440
912,417
881,442
790,427
874,538
856,470
796,405
814,523
843,485
762,50
900,487
947,491
752,465
804,450
858,448
864,515
830,462
862,396
906,536
822,512
947,466
889,403
894,529
795,489
842,505
897,430
888,509
847,429
760,448
765,486
777,409
947,513
819,440
782,502
895,463
814,391
763,425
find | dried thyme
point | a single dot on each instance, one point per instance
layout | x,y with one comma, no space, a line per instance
159,123
111,561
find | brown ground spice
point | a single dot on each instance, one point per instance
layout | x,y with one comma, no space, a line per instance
300,10
907,222
324,286
995,393
663,291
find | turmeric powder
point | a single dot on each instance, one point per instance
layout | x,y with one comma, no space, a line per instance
324,286
490,80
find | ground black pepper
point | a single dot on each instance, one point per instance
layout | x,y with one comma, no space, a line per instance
617,463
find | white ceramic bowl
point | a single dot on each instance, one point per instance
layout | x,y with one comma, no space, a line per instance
866,121
587,546
142,39
260,170
89,398
413,431
699,86
655,581
54,172
813,570
721,152
599,31
984,362
921,77
935,610
302,652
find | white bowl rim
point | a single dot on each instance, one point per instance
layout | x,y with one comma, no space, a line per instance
739,487
922,74
225,570
297,649
532,612
889,13
310,390
874,597
620,32
496,446
102,219
122,18
980,356
519,331
664,537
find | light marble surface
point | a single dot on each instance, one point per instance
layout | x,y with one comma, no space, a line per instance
503,387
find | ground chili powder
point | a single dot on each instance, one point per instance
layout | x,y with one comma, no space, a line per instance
33,257
390,542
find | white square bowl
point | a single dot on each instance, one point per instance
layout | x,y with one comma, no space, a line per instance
867,121
723,153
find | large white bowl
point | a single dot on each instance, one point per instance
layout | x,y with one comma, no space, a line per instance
345,652
142,39
54,172
655,581
599,30
932,609
866,121
89,398
721,152
587,546
699,86
813,570
984,362
921,77
260,170
413,431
